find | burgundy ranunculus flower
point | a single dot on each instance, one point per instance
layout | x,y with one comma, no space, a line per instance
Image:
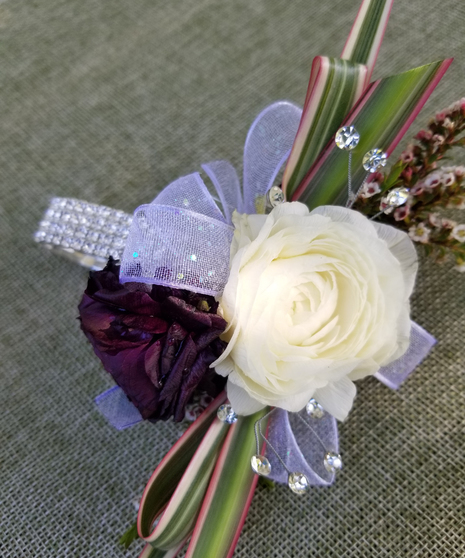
156,342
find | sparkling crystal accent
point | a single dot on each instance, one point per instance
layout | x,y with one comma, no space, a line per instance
314,409
298,483
396,197
374,159
226,414
275,196
260,465
347,138
333,462
86,232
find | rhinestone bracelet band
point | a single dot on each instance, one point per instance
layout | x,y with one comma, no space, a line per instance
85,232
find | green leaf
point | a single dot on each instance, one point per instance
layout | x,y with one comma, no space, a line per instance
382,116
267,483
169,472
229,494
129,536
393,176
180,514
367,33
333,88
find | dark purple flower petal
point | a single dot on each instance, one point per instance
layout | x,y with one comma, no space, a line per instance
105,287
159,293
119,336
152,362
108,278
136,302
156,342
204,339
95,317
218,346
180,369
113,331
211,383
185,314
96,320
218,322
150,324
176,334
127,369
191,381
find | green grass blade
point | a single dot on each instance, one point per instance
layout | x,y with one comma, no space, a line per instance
367,33
382,116
169,472
229,494
334,87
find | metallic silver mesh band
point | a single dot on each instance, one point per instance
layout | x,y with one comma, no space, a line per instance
84,232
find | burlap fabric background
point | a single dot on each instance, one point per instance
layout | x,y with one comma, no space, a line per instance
109,101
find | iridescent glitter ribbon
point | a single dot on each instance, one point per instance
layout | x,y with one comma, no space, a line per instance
182,239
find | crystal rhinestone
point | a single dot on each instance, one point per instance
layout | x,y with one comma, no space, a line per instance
260,465
333,462
396,197
40,235
298,483
275,196
314,409
75,226
347,138
374,159
226,414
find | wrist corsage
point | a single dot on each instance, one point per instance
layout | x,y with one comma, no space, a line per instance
256,320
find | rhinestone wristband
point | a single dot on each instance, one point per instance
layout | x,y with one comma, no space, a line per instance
84,232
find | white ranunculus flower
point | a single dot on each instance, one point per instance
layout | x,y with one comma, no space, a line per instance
314,301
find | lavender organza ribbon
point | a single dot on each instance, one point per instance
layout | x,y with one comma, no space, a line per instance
182,240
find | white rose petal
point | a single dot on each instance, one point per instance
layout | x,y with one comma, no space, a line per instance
314,301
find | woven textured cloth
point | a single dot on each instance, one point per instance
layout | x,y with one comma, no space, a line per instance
110,101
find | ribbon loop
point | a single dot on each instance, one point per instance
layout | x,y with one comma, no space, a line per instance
189,193
180,240
266,149
395,373
226,182
115,406
300,447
